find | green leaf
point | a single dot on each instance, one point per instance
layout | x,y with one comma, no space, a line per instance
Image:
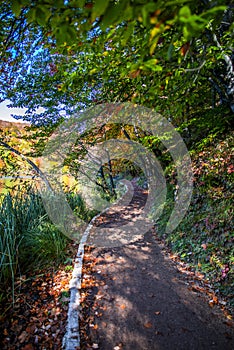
55,21
214,10
42,15
170,51
16,7
157,68
128,14
152,64
113,14
110,33
93,71
176,2
184,12
31,15
99,8
127,33
146,10
76,4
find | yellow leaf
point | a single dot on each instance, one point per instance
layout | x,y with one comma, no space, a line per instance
94,70
154,32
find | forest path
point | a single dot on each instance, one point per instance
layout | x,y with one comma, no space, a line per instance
141,300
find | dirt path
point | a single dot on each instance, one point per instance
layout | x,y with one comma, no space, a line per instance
139,300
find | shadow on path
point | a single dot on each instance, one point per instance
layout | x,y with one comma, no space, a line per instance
142,301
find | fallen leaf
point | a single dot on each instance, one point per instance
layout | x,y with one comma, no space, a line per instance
157,312
211,303
23,337
28,347
148,325
31,328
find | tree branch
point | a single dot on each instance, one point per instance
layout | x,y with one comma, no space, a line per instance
33,165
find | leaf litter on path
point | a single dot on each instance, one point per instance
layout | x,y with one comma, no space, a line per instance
37,320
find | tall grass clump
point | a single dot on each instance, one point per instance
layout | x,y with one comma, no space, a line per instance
18,215
28,239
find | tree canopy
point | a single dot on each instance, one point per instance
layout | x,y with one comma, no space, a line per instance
174,56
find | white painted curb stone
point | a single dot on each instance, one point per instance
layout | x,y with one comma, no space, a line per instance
71,340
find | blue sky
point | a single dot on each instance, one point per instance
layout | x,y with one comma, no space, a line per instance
5,112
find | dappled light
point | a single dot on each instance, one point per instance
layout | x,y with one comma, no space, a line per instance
116,184
138,298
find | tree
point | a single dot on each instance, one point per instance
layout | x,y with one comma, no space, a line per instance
153,53
19,41
71,55
15,153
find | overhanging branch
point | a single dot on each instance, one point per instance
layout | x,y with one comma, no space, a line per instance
33,165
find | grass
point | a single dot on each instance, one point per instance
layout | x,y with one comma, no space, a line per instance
28,239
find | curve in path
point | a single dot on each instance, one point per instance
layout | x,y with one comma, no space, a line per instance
142,301
118,215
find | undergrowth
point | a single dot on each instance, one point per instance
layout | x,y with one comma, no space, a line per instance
204,239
